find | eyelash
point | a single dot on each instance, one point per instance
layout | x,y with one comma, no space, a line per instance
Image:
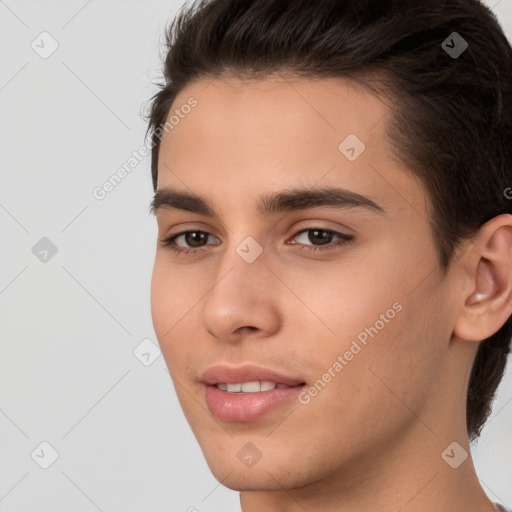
345,239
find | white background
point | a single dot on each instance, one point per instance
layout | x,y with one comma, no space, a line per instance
69,326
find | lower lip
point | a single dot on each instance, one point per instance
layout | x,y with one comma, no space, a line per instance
246,407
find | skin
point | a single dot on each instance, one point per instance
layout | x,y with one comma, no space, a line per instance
372,439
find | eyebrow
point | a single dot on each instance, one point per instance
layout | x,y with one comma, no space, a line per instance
284,201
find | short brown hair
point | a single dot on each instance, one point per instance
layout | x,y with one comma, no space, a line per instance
452,114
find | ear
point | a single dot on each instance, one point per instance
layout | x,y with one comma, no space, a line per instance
487,281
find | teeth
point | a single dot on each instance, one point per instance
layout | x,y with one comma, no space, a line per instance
250,387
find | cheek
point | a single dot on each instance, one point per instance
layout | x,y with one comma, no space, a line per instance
174,291
337,301
162,298
393,365
382,319
171,304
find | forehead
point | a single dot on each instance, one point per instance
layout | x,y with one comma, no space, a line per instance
287,107
280,131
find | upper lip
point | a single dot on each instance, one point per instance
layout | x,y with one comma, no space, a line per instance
223,374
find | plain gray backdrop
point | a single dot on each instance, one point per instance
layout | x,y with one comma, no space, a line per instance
89,420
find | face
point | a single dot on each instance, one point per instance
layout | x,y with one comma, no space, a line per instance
341,293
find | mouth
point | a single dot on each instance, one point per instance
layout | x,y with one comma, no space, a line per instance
254,386
246,393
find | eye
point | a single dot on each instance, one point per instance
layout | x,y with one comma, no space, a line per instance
196,239
324,236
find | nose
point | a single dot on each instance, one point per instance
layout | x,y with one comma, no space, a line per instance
242,301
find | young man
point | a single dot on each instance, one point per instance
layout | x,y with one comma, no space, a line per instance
333,278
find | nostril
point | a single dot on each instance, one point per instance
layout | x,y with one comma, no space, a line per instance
249,327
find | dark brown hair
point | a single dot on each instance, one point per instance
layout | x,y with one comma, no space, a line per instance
451,122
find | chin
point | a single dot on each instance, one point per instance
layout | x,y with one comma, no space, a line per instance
267,473
261,479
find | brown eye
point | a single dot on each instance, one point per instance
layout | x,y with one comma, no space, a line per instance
320,235
195,238
190,241
320,239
